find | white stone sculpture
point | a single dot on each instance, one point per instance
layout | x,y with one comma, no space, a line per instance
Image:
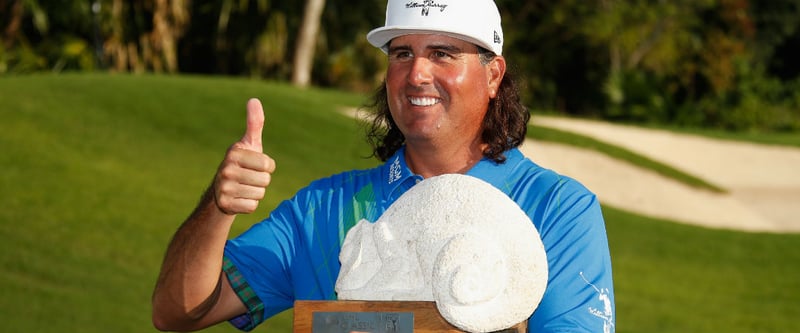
455,240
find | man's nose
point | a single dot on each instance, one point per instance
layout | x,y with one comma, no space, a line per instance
420,72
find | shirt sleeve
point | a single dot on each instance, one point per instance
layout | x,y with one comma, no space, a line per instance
257,264
580,295
255,308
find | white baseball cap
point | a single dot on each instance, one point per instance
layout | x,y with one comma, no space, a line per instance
474,21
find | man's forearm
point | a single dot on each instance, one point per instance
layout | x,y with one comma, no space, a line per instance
189,283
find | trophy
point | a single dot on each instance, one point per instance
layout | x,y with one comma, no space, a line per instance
452,254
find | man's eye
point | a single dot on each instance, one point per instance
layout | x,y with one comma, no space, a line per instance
441,54
400,55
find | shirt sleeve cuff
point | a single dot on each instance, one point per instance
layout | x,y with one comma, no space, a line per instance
255,308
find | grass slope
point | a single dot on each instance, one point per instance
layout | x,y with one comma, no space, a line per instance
99,170
671,277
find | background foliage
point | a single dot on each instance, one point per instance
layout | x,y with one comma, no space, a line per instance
727,64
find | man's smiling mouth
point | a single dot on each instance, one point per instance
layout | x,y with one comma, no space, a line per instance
423,101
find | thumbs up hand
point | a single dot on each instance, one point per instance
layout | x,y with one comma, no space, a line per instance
245,173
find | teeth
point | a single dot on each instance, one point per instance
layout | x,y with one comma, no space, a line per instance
423,101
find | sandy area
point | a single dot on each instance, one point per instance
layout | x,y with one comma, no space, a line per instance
763,181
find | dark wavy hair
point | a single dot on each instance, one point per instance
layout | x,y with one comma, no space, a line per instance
504,126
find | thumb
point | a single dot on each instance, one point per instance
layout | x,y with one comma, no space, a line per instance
255,126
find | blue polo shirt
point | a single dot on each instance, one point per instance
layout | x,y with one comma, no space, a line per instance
294,253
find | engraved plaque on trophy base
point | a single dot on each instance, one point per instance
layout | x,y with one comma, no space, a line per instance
374,317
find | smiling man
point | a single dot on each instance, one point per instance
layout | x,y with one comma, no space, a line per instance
438,92
447,106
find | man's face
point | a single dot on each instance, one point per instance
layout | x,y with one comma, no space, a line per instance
438,90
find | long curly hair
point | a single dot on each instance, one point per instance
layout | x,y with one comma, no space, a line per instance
504,126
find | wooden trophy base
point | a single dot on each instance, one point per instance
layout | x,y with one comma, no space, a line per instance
374,317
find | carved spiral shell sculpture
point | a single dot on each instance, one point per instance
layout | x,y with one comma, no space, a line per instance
455,240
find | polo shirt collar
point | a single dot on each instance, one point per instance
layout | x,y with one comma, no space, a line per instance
497,173
395,171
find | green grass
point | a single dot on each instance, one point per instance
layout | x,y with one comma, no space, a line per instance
99,170
678,278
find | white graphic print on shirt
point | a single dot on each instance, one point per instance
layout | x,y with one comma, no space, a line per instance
607,314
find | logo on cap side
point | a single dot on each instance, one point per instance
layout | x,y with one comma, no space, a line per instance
497,39
426,6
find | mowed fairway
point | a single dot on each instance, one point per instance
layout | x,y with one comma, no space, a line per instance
97,171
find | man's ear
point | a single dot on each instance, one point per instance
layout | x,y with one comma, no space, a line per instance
496,71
